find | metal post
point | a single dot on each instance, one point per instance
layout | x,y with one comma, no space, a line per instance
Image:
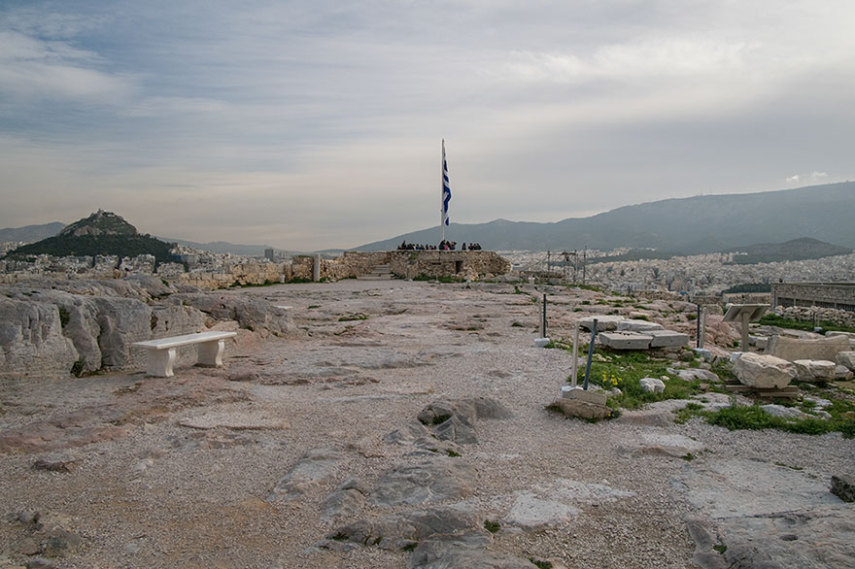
700,342
590,355
702,327
746,315
575,355
543,323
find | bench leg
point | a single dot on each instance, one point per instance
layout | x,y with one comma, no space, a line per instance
160,362
210,354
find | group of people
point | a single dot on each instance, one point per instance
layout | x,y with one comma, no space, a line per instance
443,246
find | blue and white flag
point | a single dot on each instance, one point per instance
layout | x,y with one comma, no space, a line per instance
446,187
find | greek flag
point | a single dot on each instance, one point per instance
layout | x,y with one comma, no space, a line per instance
446,187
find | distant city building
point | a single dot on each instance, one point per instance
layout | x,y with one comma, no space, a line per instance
840,296
269,254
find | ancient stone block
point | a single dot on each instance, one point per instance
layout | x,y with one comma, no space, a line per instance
764,372
625,340
668,339
792,349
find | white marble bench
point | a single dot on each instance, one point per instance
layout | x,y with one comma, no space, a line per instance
161,353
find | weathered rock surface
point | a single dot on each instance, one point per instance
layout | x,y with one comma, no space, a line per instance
249,312
843,486
531,512
654,442
463,554
425,483
315,466
790,521
399,530
763,371
31,340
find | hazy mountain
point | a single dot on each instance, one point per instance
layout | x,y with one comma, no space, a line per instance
795,250
681,226
31,233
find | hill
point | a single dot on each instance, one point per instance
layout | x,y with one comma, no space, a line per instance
700,224
30,233
102,233
795,250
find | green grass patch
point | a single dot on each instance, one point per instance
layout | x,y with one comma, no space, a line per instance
491,526
755,418
352,317
624,370
775,320
540,564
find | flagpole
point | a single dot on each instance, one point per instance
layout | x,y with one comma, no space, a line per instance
442,193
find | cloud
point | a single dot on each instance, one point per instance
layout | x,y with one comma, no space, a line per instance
31,67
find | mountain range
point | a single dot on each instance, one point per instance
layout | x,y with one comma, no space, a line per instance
684,226
700,224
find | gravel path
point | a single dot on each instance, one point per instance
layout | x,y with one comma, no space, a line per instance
150,472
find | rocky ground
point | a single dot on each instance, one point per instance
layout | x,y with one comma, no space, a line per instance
308,451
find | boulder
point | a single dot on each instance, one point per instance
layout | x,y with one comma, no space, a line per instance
784,412
31,340
792,349
581,409
846,359
763,371
652,385
842,373
815,371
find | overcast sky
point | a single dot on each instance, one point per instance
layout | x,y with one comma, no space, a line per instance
317,124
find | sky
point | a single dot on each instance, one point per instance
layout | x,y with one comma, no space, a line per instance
307,125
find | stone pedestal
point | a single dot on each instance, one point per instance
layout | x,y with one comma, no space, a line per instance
596,397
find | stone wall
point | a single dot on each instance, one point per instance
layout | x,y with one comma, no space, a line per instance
471,265
402,264
817,314
832,295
